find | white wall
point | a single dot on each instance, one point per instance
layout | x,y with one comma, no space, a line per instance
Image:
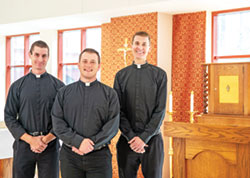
2,76
164,60
164,44
50,37
12,11
24,10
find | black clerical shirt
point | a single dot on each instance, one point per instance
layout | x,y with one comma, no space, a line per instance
29,103
142,93
86,110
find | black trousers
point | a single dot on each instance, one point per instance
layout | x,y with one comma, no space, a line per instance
97,164
151,161
24,161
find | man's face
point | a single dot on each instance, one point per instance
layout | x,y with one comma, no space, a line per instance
39,58
140,47
88,66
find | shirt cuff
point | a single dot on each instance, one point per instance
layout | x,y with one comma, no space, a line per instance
129,135
76,142
145,137
18,134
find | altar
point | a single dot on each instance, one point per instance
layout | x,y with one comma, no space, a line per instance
217,145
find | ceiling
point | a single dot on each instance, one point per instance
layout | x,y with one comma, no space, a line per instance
96,16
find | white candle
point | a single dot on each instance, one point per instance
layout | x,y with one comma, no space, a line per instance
170,102
192,102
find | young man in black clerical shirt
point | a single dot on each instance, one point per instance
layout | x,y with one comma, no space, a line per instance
141,89
27,115
86,117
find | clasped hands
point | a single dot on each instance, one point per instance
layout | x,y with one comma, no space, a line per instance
38,144
86,146
137,145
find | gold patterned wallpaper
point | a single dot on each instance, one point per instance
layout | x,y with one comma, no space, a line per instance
113,37
189,35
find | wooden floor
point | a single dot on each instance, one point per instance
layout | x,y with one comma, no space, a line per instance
6,168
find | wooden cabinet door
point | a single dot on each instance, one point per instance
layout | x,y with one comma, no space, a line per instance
228,89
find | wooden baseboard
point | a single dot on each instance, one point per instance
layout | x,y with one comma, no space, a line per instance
6,168
2,125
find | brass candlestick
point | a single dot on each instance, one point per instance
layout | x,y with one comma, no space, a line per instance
192,113
170,149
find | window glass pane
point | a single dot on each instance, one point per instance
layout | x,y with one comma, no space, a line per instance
233,60
16,73
233,33
93,39
70,74
17,50
71,46
32,39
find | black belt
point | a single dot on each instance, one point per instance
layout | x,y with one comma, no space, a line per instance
37,133
100,147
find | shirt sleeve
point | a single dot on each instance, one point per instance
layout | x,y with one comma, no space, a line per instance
61,127
111,126
125,126
11,111
155,122
59,85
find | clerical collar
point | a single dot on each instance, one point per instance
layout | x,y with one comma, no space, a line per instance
88,84
38,76
139,66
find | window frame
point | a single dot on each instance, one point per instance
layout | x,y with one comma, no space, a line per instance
8,65
214,55
60,62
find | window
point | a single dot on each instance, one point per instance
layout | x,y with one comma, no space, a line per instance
70,44
231,36
17,58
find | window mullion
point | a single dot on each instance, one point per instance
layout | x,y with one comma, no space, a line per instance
26,54
83,39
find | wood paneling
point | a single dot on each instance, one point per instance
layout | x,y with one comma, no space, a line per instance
6,168
209,164
225,150
220,119
179,158
210,150
209,132
243,160
1,168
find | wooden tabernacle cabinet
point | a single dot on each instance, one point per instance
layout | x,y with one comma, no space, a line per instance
229,88
218,144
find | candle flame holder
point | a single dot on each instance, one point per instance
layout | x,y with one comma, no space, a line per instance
192,113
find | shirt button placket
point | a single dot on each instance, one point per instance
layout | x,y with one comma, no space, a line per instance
137,95
38,104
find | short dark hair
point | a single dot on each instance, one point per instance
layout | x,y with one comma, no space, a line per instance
40,44
90,50
141,33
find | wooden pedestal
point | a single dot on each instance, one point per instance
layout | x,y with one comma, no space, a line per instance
216,147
